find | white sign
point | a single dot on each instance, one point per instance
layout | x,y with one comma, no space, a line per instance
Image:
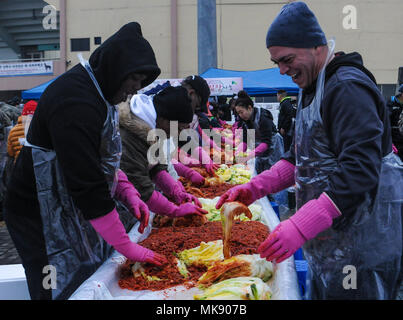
26,68
218,86
224,86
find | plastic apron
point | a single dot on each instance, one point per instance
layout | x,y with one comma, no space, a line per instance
360,258
275,151
73,247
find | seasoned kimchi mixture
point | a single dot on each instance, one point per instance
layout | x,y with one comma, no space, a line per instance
246,236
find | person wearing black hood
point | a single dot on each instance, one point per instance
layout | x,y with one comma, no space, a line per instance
60,209
139,119
348,181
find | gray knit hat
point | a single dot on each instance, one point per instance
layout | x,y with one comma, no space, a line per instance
296,27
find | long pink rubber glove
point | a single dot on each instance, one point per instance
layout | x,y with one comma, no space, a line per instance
238,137
277,178
262,147
112,230
187,160
394,149
206,161
227,141
242,147
208,140
161,205
235,126
312,218
127,193
190,174
203,159
174,189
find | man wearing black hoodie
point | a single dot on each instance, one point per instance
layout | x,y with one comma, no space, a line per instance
348,181
67,175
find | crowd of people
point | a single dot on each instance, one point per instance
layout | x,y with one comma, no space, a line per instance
83,168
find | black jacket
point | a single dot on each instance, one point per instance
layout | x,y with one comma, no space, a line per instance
69,119
134,161
395,108
227,112
204,121
356,121
266,126
285,115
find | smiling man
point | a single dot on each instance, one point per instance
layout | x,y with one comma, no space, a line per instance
348,181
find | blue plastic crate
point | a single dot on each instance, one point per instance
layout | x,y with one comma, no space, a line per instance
301,266
275,208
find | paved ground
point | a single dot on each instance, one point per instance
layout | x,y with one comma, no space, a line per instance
9,255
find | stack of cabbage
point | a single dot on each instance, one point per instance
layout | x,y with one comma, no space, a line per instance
214,214
240,288
239,277
236,174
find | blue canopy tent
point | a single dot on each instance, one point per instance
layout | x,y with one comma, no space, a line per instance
36,92
264,82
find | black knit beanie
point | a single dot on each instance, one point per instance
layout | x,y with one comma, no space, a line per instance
173,103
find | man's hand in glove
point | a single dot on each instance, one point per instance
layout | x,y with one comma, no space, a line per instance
188,208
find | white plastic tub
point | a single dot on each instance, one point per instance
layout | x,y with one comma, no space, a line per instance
13,284
103,284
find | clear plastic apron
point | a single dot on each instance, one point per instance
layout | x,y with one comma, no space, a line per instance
73,247
273,153
360,259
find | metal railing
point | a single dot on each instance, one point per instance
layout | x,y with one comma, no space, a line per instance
28,60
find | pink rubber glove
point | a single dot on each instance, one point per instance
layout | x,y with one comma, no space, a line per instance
227,141
113,232
256,152
238,138
127,193
174,189
187,160
222,122
161,205
277,178
206,161
235,126
262,147
164,181
190,174
394,149
242,147
185,197
208,140
314,217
